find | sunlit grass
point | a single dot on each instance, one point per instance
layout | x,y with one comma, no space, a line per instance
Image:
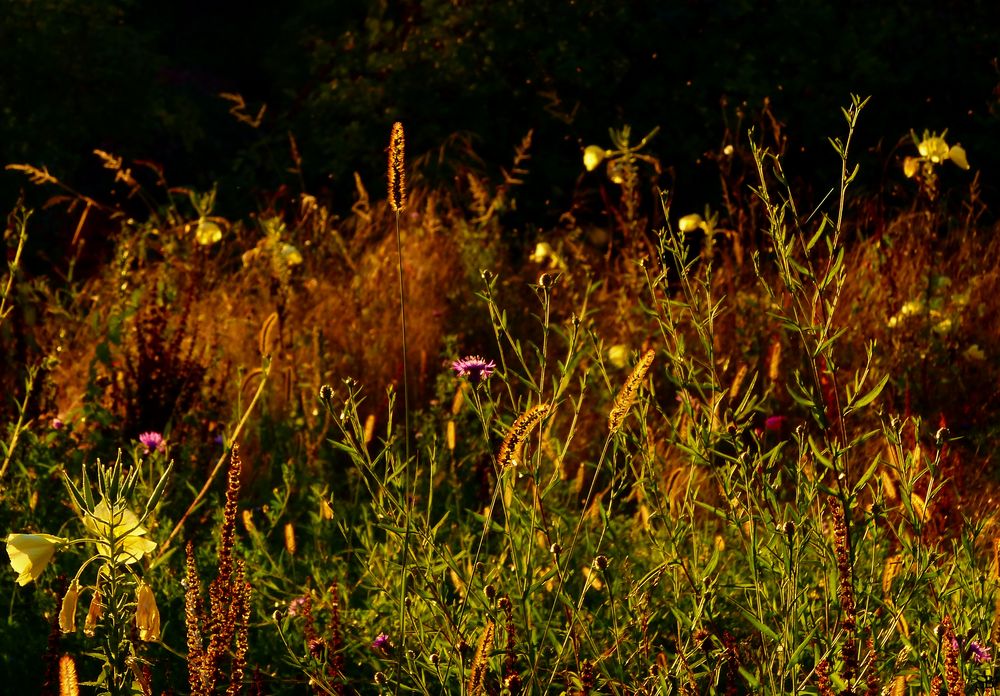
739,451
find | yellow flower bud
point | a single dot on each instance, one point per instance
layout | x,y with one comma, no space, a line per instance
593,155
910,166
67,614
94,615
690,223
248,524
325,509
147,615
290,539
30,553
957,155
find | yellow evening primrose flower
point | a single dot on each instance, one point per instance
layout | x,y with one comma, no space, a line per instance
618,355
910,166
207,232
690,223
130,545
593,155
30,553
934,148
957,155
147,615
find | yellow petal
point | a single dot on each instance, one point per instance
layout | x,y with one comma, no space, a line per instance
30,553
957,155
593,155
134,548
910,167
934,148
124,526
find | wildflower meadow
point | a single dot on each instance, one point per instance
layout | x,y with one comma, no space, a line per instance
414,444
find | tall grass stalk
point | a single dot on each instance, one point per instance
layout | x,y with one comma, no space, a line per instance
397,201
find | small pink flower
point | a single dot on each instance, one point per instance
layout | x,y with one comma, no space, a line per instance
381,643
152,441
297,606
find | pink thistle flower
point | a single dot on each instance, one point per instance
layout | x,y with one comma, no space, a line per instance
152,441
979,653
381,643
474,367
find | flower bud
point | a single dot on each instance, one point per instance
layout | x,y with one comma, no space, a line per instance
147,615
593,155
93,614
67,614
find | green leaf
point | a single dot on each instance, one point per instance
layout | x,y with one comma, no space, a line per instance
763,628
870,396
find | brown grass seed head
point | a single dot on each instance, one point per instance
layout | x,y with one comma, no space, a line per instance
397,171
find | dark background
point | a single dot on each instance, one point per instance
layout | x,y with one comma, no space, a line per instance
142,79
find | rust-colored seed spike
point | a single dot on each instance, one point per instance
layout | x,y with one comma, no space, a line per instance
480,664
397,171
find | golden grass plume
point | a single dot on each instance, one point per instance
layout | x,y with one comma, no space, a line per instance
623,402
397,171
518,432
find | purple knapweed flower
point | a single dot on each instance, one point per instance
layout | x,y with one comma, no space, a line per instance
381,643
979,653
474,367
152,441
57,423
775,423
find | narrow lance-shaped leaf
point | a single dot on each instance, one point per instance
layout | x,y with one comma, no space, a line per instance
75,493
85,486
871,395
158,490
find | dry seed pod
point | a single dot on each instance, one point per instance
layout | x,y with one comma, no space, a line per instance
267,340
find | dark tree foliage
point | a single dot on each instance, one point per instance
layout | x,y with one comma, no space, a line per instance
142,79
